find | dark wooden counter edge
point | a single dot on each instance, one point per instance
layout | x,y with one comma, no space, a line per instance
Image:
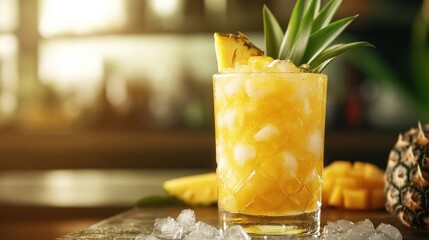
147,215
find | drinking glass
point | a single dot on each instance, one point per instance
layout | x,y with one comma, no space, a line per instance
270,131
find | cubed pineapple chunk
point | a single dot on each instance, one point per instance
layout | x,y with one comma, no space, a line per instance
347,182
355,198
339,167
353,186
336,197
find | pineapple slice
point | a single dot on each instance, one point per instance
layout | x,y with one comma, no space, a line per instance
194,190
358,186
232,48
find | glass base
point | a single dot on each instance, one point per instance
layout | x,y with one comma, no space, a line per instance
302,226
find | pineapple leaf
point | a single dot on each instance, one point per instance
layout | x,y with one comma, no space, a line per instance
309,34
320,39
292,29
332,52
273,33
326,14
303,36
322,66
316,11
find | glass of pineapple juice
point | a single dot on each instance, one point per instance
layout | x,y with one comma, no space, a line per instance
269,131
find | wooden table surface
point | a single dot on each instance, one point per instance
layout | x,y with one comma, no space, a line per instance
128,224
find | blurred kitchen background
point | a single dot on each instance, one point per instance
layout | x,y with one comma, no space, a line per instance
121,85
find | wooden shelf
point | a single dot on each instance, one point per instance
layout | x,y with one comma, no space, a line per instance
180,149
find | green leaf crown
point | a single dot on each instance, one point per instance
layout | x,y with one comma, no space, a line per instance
310,32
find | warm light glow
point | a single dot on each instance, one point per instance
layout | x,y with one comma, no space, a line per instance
80,16
72,69
79,69
8,15
215,6
165,8
8,75
8,45
117,92
93,187
8,103
81,187
62,187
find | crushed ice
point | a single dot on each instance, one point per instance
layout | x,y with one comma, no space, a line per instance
266,132
185,227
289,161
243,152
315,143
346,230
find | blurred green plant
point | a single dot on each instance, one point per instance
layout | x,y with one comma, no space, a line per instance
415,90
420,55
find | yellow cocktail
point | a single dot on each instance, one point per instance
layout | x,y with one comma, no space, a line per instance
269,149
270,120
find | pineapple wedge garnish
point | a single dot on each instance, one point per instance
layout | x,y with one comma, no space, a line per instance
307,41
232,48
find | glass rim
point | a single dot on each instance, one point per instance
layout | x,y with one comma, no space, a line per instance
269,73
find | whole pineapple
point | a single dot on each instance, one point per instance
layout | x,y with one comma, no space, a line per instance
407,178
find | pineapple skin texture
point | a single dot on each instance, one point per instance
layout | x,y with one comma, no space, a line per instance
407,178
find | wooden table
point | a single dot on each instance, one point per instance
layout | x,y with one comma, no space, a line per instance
127,225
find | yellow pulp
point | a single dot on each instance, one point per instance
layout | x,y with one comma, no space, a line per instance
269,142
